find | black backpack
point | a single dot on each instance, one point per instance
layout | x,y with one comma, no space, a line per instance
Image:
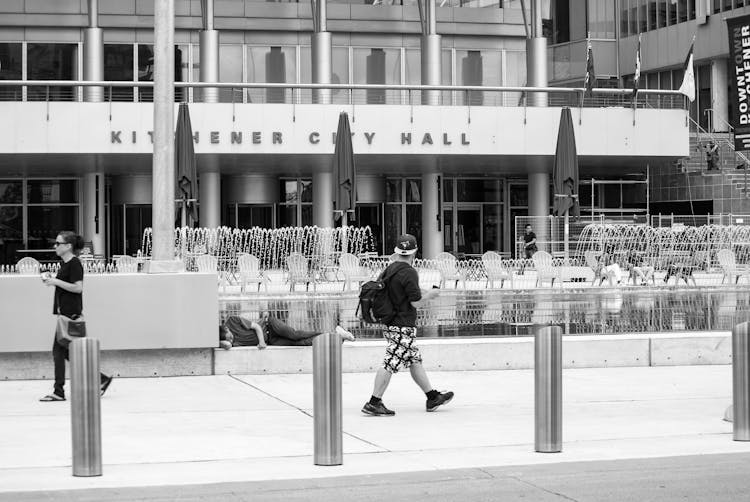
375,305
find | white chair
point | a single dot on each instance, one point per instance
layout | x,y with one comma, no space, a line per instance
729,266
28,266
495,270
210,264
249,267
350,267
126,265
600,272
448,267
545,271
299,272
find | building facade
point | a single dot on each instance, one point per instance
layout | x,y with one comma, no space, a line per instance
455,167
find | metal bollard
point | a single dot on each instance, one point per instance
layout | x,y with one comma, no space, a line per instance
327,399
85,407
548,389
741,381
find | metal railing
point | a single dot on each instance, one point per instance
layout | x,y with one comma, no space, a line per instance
352,94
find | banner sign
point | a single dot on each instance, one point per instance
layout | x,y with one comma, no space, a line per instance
739,53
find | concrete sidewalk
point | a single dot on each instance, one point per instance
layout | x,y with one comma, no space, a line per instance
187,430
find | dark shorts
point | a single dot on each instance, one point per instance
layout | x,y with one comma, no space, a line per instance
402,350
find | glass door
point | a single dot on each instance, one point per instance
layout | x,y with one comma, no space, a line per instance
469,230
372,215
136,218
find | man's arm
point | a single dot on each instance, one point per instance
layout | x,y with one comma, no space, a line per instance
259,332
427,295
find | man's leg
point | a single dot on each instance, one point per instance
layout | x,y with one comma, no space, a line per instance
382,379
283,330
420,377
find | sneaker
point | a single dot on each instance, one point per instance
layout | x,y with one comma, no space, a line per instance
105,384
346,335
377,410
441,399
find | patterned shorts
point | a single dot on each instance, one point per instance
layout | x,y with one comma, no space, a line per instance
402,349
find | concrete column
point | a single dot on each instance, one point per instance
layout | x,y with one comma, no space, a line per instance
209,183
93,211
163,194
321,64
431,67
536,57
93,54
719,95
209,53
539,204
431,59
323,199
432,238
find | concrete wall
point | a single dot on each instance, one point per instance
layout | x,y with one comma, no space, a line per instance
457,354
124,311
378,130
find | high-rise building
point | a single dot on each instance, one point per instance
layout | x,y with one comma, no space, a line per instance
456,167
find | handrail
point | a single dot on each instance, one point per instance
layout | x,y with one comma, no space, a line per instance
394,87
711,117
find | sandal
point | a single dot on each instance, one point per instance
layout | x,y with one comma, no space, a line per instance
51,397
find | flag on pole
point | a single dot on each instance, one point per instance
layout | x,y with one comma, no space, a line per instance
688,81
637,76
590,79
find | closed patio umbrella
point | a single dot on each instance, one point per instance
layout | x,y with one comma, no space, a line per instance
344,170
565,173
185,167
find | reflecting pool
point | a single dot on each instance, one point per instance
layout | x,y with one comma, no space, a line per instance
502,314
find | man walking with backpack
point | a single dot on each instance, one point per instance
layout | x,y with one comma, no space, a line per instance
402,287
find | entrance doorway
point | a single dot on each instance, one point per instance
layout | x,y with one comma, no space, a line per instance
472,229
128,223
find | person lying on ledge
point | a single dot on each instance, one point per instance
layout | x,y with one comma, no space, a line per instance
240,332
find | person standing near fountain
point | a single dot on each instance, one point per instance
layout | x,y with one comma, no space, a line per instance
402,283
68,302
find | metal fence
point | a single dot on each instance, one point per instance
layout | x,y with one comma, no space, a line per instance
351,94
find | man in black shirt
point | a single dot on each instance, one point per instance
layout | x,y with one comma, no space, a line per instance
401,332
529,242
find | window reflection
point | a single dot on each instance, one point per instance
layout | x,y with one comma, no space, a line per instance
52,62
10,69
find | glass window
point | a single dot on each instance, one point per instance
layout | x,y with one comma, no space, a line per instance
274,64
624,18
52,191
11,232
11,192
671,13
339,73
146,69
478,190
661,13
307,191
633,17
652,15
611,196
230,70
414,224
413,190
448,190
682,10
519,195
249,216
52,62
492,231
392,225
10,69
578,25
643,16
45,222
393,190
377,66
118,66
287,216
478,68
289,191
691,9
634,196
307,215
601,14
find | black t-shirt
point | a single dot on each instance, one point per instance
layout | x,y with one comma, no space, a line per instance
529,237
68,303
403,288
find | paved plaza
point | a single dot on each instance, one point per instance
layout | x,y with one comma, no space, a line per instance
160,432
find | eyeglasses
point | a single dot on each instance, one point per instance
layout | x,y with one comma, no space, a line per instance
58,243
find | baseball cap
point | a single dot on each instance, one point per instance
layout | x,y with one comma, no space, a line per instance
406,245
